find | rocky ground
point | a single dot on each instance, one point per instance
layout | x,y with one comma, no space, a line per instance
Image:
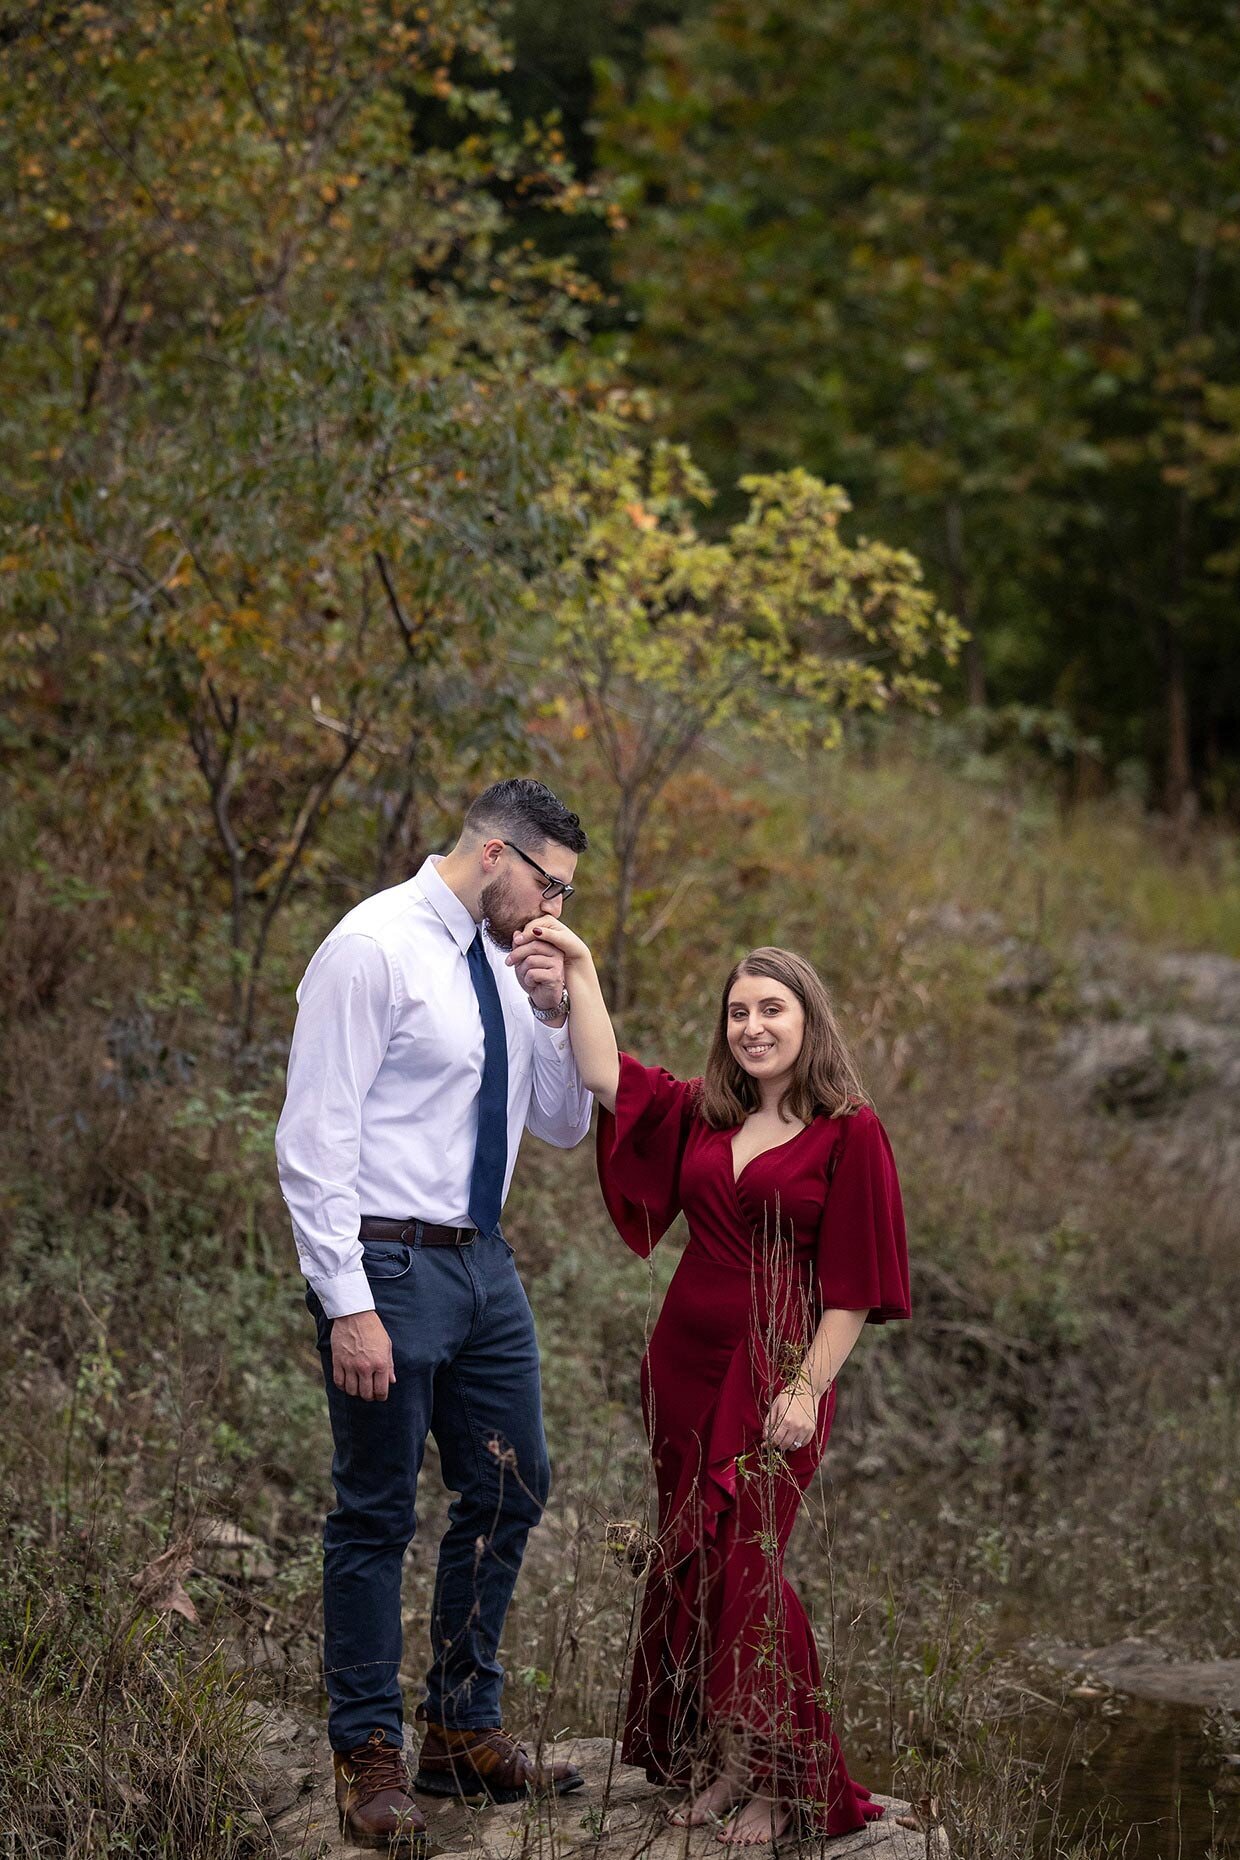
1146,1670
1145,1034
617,1814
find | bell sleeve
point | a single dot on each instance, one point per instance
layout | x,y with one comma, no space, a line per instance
640,1149
862,1255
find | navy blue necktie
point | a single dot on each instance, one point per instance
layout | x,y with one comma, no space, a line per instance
486,1181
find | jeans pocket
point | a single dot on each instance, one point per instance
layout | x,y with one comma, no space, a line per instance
386,1259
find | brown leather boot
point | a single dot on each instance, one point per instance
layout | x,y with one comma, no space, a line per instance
372,1795
487,1766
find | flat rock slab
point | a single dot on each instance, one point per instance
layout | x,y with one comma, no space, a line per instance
1149,1672
617,1814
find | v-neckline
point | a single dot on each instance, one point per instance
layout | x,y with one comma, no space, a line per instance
738,1174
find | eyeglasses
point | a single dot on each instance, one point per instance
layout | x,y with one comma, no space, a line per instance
554,887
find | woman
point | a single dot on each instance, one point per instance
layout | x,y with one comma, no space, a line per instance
796,1238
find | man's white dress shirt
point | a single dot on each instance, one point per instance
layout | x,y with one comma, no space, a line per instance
381,1113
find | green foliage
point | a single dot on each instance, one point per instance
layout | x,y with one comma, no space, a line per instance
316,510
278,393
775,629
981,265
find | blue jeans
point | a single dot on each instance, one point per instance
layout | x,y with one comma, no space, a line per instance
466,1361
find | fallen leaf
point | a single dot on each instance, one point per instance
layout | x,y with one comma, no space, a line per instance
160,1586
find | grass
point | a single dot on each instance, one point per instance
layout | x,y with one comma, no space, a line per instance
1048,1448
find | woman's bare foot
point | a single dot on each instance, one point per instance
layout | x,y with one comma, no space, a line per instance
715,1800
757,1824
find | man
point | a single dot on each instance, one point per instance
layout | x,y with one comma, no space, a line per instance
419,1055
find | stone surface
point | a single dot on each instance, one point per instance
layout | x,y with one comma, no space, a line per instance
1147,1671
1142,1066
223,1547
617,1814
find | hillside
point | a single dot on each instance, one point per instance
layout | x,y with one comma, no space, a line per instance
1047,1008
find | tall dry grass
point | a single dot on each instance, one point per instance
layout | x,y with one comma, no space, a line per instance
1049,1448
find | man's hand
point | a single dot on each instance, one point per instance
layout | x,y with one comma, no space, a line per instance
362,1356
540,969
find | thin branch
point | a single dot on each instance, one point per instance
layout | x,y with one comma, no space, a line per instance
393,599
251,84
309,817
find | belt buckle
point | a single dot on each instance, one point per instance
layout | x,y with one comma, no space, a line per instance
409,1232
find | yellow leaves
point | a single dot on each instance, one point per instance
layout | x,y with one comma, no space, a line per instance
57,219
762,627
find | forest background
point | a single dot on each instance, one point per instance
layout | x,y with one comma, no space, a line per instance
396,396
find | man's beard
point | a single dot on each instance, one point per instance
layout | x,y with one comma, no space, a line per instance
502,920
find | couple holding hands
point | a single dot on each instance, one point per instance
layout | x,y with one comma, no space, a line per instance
440,1020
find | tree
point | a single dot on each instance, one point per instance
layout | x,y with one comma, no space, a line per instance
979,263
774,630
280,389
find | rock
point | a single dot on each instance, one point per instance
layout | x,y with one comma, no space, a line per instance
226,1550
616,1813
1139,1066
1147,1671
1210,983
1029,972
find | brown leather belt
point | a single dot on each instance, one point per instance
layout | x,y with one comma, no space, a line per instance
414,1232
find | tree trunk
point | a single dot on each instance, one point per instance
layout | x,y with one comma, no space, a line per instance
1178,794
627,830
962,605
1178,770
402,845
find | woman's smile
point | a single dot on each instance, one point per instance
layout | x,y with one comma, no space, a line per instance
766,1026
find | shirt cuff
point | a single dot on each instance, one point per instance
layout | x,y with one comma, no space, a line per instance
344,1294
554,1037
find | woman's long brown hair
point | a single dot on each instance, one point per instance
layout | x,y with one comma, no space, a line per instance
824,1078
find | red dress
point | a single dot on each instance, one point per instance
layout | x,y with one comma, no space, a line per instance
726,1651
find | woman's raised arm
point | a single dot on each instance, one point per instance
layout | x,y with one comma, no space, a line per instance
589,1024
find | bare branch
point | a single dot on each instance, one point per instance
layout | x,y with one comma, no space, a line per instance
393,600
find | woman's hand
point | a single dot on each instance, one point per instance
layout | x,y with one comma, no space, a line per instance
792,1418
545,940
559,936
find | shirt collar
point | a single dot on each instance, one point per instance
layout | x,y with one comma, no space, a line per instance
446,905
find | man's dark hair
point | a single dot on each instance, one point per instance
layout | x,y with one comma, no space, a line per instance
524,809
